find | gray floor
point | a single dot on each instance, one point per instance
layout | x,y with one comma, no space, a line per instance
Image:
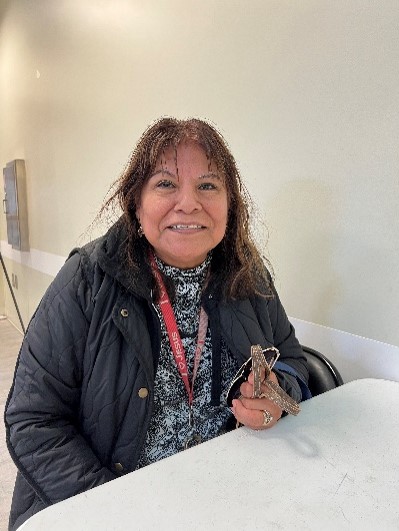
10,341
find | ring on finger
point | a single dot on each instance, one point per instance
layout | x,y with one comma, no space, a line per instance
267,418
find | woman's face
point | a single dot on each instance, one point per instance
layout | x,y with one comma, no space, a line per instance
183,206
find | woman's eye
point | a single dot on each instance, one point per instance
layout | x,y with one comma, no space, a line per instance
207,186
165,184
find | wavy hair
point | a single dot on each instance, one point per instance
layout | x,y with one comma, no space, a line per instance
237,266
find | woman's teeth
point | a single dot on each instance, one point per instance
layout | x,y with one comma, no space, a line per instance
179,227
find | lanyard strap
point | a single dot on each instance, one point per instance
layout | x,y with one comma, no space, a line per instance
174,336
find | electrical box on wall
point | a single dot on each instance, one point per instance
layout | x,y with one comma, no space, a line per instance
15,204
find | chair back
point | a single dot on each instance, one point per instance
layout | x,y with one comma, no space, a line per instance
323,375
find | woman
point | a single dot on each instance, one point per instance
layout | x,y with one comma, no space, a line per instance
131,352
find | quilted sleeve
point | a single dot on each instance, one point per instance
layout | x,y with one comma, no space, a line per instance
43,405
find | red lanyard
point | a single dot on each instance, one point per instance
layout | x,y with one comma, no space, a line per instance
174,336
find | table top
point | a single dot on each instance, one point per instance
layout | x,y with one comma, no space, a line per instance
334,466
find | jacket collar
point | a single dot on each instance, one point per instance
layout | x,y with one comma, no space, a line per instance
113,259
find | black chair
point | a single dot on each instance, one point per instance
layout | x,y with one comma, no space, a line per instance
323,375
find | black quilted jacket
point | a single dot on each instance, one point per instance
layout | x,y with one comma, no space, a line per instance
82,396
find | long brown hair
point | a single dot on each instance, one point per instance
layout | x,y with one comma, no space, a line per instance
237,267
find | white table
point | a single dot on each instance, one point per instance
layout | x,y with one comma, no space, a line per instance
335,466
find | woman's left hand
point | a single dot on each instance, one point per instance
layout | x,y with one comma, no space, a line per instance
256,413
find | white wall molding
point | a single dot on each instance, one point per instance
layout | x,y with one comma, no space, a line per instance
354,356
47,263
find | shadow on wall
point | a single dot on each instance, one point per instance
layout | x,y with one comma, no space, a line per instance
302,219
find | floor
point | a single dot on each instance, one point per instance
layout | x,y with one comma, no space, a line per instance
10,341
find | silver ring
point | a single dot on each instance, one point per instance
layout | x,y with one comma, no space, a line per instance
267,417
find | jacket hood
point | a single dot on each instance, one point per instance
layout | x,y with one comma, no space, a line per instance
111,253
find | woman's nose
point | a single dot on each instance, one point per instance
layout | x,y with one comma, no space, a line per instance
187,200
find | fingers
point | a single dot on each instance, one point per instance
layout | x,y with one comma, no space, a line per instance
251,411
254,418
247,389
261,404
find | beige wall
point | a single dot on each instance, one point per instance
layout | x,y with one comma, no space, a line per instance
305,92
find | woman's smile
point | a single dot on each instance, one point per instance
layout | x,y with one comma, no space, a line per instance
186,228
